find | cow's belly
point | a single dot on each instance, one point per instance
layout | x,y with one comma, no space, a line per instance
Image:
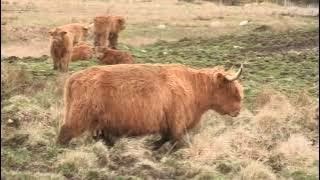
133,126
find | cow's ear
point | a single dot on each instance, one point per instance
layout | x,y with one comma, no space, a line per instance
52,31
63,32
121,20
221,78
86,28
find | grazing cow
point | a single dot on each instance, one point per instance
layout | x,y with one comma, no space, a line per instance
82,51
142,99
110,56
106,30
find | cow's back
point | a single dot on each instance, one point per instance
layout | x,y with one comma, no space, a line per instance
73,27
82,52
77,30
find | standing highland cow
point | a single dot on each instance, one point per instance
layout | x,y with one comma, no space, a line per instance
63,39
79,31
142,99
106,30
61,49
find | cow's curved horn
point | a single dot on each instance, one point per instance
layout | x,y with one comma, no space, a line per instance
236,76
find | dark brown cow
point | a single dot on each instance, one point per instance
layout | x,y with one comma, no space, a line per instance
142,99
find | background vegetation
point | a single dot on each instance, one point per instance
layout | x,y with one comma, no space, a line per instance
275,136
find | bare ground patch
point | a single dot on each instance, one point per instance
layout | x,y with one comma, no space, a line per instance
25,21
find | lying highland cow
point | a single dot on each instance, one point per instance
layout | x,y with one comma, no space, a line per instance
82,51
110,56
142,99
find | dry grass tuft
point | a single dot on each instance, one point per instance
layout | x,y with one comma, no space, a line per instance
246,144
206,148
297,151
32,175
131,156
40,134
129,151
102,153
13,78
256,170
306,111
271,100
77,160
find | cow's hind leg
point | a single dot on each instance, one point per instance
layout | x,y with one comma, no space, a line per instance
55,63
113,39
64,63
97,135
108,138
176,137
158,144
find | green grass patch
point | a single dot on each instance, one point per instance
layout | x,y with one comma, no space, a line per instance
286,61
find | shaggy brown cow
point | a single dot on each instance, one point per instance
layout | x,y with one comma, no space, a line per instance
78,31
106,30
141,99
63,39
61,49
110,56
82,51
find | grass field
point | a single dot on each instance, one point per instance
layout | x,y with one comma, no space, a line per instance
274,137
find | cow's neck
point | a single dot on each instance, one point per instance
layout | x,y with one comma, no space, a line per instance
203,90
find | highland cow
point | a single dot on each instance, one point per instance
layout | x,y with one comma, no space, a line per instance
142,99
106,30
78,31
63,39
82,51
61,49
110,56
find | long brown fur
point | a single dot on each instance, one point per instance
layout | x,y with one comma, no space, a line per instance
142,99
106,30
82,51
63,39
61,49
79,31
111,56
